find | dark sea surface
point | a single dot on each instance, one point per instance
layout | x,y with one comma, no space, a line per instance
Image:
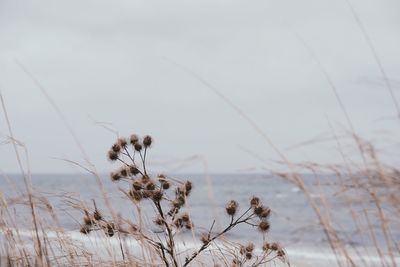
293,220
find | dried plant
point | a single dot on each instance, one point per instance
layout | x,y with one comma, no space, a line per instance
168,198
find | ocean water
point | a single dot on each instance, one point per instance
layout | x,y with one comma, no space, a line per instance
293,220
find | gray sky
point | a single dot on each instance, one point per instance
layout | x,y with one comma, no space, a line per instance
111,61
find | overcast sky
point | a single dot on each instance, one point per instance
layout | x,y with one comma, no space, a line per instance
113,62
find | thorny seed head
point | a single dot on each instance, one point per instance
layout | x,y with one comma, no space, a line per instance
150,185
176,204
264,226
133,170
275,246
123,171
97,215
115,176
157,195
249,255
266,246
134,139
145,179
185,217
166,185
231,207
265,213
116,148
112,155
254,202
258,210
250,247
122,142
280,253
188,187
189,225
138,147
147,140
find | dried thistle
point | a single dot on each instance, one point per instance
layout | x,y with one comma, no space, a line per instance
112,155
134,139
231,207
147,140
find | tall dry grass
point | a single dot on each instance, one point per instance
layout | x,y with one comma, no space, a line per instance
41,240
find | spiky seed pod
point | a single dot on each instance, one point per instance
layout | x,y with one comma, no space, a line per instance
205,238
112,155
265,213
85,229
250,247
166,185
123,171
115,176
116,148
280,253
97,215
264,226
275,246
254,202
135,195
185,217
258,210
157,195
133,170
150,185
147,140
138,147
122,142
176,204
145,179
134,139
249,255
188,187
109,229
178,223
189,225
231,207
87,220
266,246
